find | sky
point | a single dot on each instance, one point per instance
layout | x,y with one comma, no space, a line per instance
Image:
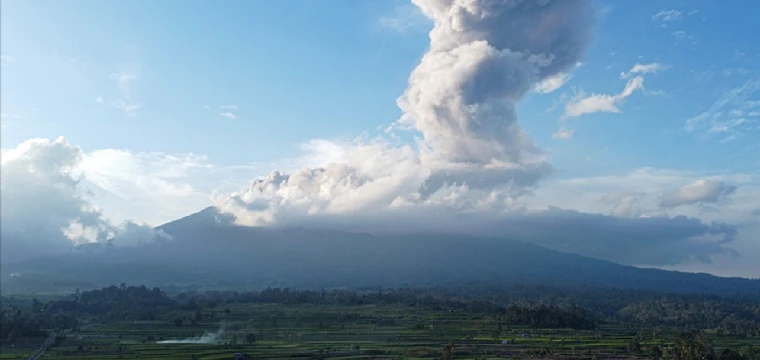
627,131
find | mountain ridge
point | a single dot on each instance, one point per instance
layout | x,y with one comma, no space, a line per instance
207,249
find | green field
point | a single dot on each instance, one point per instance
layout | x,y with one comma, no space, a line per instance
347,332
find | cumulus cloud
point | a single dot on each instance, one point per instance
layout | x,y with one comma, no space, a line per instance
44,208
700,191
228,115
589,104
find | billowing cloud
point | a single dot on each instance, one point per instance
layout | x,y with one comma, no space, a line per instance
483,58
44,208
473,170
461,98
700,191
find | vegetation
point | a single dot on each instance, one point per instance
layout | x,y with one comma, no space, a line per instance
520,322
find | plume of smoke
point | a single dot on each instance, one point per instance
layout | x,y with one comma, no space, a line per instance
207,338
473,156
484,56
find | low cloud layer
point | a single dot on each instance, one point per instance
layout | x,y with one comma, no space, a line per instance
45,209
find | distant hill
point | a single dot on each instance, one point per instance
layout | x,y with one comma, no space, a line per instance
207,250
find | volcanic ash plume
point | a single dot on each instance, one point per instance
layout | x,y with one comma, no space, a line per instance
484,56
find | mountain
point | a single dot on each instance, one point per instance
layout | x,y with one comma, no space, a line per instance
208,251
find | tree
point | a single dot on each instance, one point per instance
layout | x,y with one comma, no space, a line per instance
448,350
178,322
655,353
730,354
36,306
634,346
250,338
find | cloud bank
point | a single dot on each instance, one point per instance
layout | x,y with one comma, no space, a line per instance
45,210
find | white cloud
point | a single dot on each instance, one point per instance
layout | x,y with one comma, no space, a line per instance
582,105
668,16
700,191
643,69
563,134
229,107
122,77
44,208
159,187
403,18
228,115
722,117
553,83
623,203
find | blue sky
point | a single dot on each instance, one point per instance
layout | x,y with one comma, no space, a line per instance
327,69
219,93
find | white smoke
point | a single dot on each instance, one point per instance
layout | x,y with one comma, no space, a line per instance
472,156
472,169
207,338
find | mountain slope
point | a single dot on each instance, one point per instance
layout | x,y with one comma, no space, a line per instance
208,251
